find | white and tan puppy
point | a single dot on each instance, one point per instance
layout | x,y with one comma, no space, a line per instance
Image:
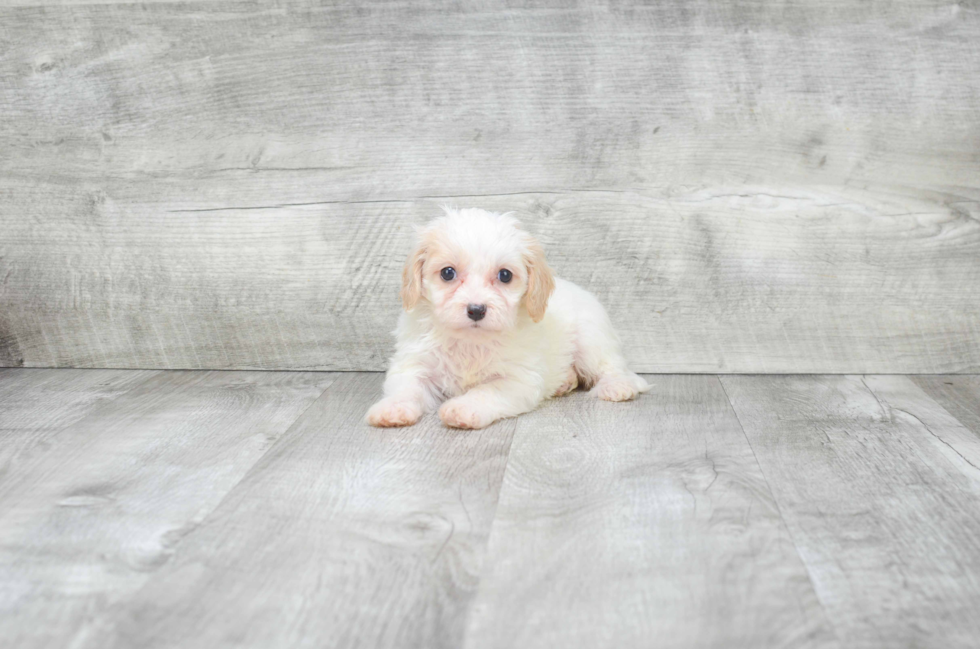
489,332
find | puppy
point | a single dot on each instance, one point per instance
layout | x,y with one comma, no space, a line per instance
489,332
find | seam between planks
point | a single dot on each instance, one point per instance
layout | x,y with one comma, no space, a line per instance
322,370
464,640
106,615
816,593
153,373
249,471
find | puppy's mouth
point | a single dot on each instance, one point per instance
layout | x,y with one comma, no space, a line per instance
479,327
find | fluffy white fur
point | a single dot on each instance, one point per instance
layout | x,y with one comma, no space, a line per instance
541,336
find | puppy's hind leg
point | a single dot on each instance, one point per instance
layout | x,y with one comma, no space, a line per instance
619,386
599,362
569,384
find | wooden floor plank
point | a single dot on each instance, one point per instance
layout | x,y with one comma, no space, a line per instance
641,524
185,509
959,395
884,515
904,401
35,405
341,536
87,522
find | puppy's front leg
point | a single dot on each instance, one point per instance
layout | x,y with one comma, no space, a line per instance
488,402
403,404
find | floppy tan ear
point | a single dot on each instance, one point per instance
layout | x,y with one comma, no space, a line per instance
412,278
540,281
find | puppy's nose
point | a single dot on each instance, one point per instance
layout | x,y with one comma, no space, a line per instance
476,311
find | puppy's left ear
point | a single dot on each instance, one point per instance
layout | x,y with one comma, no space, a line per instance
412,277
540,280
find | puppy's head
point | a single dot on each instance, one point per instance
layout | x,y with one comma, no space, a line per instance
477,270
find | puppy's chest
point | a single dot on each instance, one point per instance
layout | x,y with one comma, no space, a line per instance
458,366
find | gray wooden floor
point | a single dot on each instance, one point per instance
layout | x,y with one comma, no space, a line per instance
207,509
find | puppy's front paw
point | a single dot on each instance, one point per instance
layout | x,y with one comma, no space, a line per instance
615,388
456,413
389,412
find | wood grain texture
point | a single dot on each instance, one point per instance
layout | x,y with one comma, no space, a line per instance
482,97
35,405
876,484
959,395
185,509
341,536
904,400
71,3
723,282
641,524
754,188
86,523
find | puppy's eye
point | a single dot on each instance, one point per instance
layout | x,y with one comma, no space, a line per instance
448,273
505,275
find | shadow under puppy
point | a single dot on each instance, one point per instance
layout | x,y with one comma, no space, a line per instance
489,332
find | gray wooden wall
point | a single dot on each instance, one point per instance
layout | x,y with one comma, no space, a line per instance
748,186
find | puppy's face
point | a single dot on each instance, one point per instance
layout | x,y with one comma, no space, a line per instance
477,270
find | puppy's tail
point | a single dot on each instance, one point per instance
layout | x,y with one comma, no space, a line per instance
620,385
640,382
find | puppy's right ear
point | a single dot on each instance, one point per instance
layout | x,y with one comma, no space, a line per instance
412,278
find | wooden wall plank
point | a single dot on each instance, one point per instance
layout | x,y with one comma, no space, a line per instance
712,281
755,189
341,536
70,3
885,518
488,98
641,524
86,523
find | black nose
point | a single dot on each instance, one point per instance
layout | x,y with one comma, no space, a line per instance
476,311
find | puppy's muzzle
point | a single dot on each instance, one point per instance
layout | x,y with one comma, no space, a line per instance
476,311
